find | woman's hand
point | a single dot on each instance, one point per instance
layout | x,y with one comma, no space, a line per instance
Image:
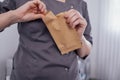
31,10
75,20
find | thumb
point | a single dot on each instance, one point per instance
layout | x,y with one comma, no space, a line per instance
37,16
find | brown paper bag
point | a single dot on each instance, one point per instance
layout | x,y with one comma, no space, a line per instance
65,37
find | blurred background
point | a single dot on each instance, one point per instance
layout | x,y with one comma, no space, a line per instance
104,60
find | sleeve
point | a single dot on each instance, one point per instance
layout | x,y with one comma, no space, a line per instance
87,32
7,5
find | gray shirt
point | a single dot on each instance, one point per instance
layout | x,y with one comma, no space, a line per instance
37,56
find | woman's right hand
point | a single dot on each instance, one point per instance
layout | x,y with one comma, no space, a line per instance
31,10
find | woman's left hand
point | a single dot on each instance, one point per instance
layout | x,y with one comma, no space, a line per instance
75,20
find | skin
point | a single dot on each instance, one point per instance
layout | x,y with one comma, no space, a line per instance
29,11
75,20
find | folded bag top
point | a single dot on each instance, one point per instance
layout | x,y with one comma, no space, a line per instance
65,37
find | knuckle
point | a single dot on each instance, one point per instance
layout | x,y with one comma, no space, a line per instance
72,10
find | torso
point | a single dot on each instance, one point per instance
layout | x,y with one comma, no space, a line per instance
37,57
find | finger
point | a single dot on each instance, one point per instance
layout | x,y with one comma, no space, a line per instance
79,22
43,10
35,10
32,4
42,7
78,14
75,23
38,16
73,19
70,15
68,12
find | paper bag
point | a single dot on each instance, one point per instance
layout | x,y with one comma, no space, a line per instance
65,37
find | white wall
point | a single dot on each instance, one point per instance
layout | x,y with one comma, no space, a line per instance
105,57
8,46
108,51
1,0
94,14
